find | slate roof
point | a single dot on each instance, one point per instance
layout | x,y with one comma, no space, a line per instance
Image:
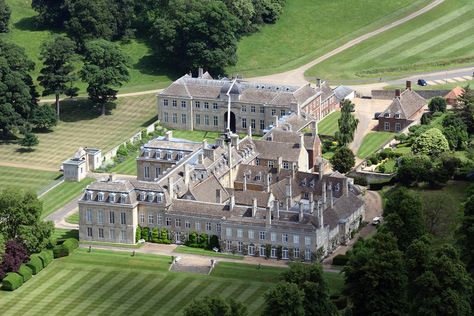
205,191
406,105
341,92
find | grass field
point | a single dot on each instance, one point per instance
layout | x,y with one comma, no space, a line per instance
308,29
82,125
26,179
114,283
60,233
373,141
62,194
204,252
329,126
439,39
144,73
73,219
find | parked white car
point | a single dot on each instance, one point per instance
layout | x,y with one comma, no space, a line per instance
376,220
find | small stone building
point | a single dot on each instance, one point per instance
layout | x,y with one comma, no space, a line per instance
453,95
85,160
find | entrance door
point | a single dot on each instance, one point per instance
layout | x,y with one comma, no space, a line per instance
232,121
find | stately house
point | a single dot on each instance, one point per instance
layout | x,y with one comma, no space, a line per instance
258,196
202,103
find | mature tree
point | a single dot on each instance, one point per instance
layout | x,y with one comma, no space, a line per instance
244,11
376,279
57,75
5,13
444,288
105,68
267,11
44,117
284,299
17,92
466,108
431,143
455,131
51,12
310,280
343,160
215,306
196,33
15,254
18,208
437,104
466,235
36,237
29,141
403,214
413,169
347,123
443,169
439,215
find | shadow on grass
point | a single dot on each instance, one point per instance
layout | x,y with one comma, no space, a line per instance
149,122
74,110
32,24
23,150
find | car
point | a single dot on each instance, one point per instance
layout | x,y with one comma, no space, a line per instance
422,82
376,220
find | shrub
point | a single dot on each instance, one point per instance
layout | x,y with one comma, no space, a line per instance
374,158
25,272
12,281
155,235
46,257
339,301
369,163
138,233
214,242
146,233
360,181
35,263
67,247
340,260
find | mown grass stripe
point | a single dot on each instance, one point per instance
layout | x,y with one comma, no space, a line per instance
249,300
184,301
156,290
171,306
91,304
172,292
238,290
81,291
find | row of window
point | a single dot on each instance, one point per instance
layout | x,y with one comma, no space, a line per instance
253,123
197,105
101,217
206,120
174,118
263,235
111,234
386,126
251,249
174,103
271,164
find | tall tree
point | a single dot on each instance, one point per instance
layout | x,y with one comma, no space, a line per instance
51,12
5,14
413,169
343,159
431,143
284,299
466,235
437,104
215,306
466,108
57,75
105,69
195,33
44,117
439,216
404,216
375,277
347,123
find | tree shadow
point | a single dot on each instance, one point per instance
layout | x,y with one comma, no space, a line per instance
23,150
82,109
42,130
149,122
31,24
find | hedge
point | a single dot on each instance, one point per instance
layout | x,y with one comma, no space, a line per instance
46,257
35,263
25,272
12,281
66,248
340,260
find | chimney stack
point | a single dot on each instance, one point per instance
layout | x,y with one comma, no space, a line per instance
112,177
320,170
268,221
187,172
171,187
234,138
331,198
168,135
249,133
279,164
301,140
311,203
320,215
200,72
397,93
276,208
218,196
314,128
254,207
268,182
244,188
232,202
204,144
323,193
345,187
318,82
408,84
275,120
300,213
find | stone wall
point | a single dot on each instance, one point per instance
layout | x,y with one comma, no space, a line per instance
390,94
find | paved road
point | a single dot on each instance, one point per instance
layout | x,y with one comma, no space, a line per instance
439,77
296,76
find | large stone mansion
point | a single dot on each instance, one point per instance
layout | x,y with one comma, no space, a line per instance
202,103
256,195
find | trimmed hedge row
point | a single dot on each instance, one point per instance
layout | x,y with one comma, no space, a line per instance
12,281
46,257
35,263
25,272
66,248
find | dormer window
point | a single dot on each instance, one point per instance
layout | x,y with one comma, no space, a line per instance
159,198
142,196
303,183
112,197
397,115
311,184
89,195
258,177
158,154
179,156
101,196
151,196
337,187
123,198
168,155
386,114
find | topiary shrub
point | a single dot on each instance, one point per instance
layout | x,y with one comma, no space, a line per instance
12,281
146,233
35,264
66,248
340,260
46,257
25,272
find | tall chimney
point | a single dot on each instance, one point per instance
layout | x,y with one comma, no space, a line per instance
279,164
331,198
321,172
234,138
276,208
311,203
301,140
249,132
397,93
318,82
187,172
345,187
200,72
268,221
204,144
112,177
268,182
254,207
232,202
244,188
320,215
218,196
314,128
168,135
300,212
323,193
408,84
293,169
275,120
171,187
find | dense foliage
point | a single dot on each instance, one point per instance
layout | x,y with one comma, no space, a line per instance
5,14
347,123
431,143
15,255
215,306
437,104
343,160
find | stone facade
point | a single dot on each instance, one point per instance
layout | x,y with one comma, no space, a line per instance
85,160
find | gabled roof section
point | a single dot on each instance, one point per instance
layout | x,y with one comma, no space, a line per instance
455,93
406,105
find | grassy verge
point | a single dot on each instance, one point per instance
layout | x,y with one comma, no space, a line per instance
62,194
329,126
372,142
27,179
73,219
437,40
60,233
204,252
110,244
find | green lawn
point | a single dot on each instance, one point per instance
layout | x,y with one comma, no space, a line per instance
115,283
372,142
204,252
439,39
73,219
62,194
82,125
329,126
60,233
308,29
27,179
128,166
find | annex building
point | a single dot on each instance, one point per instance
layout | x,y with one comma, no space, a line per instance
202,103
258,196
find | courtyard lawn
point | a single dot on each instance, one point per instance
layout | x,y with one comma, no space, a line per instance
372,142
438,39
308,29
329,126
73,218
27,179
62,194
82,125
60,233
204,252
128,166
105,282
